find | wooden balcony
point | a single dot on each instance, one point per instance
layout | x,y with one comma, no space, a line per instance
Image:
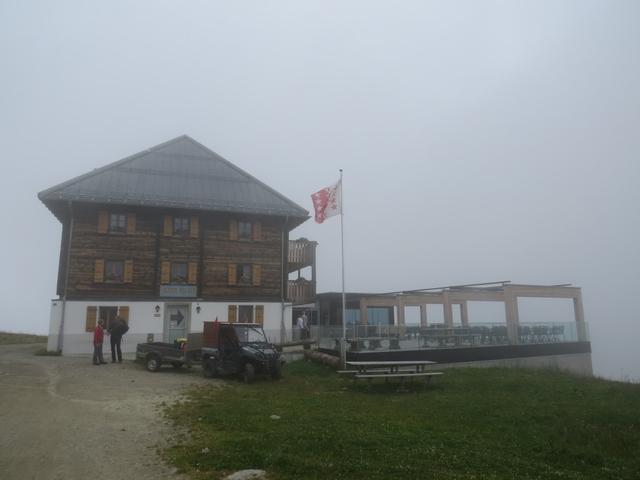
302,253
301,291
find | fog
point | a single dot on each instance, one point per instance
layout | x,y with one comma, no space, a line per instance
480,141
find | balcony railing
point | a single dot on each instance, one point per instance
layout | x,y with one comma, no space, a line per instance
301,291
301,254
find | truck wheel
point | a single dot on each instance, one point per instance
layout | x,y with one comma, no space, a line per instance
249,373
208,367
176,364
153,362
276,373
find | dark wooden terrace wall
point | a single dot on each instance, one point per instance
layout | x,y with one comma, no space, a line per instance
148,247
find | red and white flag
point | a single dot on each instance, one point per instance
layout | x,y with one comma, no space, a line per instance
327,202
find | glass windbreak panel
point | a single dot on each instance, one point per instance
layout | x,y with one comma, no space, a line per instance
250,334
353,316
379,316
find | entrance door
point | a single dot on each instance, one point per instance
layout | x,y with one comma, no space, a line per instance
176,322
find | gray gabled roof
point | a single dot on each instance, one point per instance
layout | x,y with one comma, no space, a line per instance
180,173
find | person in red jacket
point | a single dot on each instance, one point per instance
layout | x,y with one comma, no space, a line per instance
98,339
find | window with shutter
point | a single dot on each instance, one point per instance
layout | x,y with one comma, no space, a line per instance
128,271
123,312
257,275
231,274
233,230
114,271
98,271
103,221
181,226
117,223
90,323
131,223
244,231
194,227
232,313
165,272
257,231
193,273
168,226
260,314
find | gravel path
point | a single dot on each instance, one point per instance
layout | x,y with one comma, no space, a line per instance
63,418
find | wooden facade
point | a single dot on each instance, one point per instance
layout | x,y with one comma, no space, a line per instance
226,257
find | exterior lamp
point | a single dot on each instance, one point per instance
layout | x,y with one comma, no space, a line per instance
157,308
198,308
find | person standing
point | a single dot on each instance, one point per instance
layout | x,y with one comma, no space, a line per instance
300,325
117,330
98,339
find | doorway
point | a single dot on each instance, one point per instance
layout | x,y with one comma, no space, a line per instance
176,322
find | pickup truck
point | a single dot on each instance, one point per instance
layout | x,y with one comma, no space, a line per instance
180,352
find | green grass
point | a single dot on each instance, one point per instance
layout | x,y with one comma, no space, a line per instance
469,424
7,338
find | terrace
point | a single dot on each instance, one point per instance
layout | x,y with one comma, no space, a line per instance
376,324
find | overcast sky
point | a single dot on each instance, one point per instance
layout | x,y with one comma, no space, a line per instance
480,140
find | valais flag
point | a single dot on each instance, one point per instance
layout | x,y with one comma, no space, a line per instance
327,202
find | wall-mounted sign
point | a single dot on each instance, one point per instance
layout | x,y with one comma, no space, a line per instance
180,291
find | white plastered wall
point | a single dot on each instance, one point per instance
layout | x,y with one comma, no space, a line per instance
144,322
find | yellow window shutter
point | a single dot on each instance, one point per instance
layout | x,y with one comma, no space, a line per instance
257,231
233,229
194,227
92,314
103,221
124,313
193,273
260,314
231,277
165,272
128,271
168,225
232,316
98,271
131,223
257,275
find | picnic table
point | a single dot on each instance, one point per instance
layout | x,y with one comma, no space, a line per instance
401,369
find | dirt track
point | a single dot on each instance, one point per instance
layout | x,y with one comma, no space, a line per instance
63,418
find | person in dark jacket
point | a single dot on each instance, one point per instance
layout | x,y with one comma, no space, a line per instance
117,329
98,339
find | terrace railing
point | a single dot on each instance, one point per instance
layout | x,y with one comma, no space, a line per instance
416,337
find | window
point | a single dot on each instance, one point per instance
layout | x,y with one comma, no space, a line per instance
114,271
117,223
245,314
244,274
244,231
181,225
179,273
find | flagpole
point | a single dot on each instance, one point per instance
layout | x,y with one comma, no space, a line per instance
344,304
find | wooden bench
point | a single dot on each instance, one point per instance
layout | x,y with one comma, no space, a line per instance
400,375
378,371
